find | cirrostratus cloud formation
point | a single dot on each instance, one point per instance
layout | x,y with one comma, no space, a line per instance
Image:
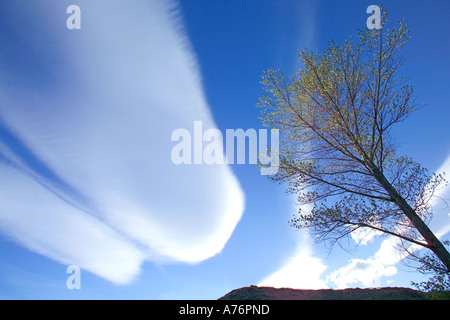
86,117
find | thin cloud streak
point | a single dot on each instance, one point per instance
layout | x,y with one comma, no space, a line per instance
300,271
88,159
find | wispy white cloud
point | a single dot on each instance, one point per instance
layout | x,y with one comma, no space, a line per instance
46,224
368,272
361,271
87,177
441,204
364,236
302,270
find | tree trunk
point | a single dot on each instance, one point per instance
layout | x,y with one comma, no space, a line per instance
433,242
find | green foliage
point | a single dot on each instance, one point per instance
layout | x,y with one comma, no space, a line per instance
335,117
438,285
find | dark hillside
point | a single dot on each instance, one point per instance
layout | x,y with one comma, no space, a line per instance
269,293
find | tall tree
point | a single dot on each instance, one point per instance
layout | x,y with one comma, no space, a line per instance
335,117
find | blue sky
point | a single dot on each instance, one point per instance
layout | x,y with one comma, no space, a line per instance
85,125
